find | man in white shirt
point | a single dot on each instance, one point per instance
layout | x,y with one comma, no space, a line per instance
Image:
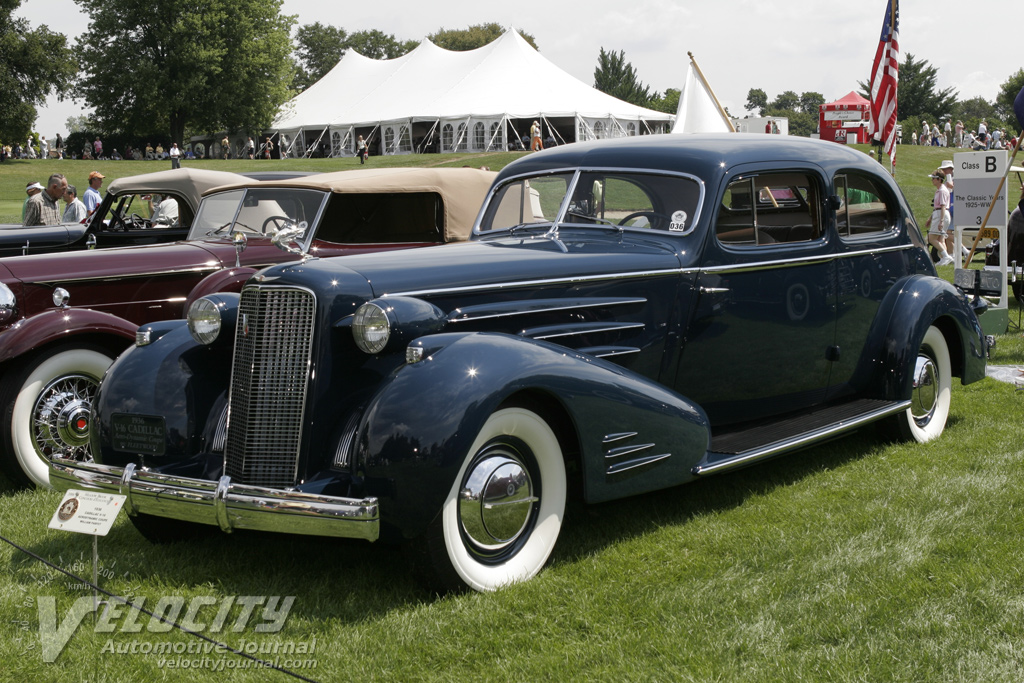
163,211
175,156
92,195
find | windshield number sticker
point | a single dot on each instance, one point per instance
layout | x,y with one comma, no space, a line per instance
678,223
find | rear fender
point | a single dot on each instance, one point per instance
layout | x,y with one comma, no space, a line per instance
907,312
633,434
63,324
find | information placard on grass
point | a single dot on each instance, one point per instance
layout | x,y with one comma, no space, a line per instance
87,512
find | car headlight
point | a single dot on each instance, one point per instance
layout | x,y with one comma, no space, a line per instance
6,303
393,322
211,317
371,328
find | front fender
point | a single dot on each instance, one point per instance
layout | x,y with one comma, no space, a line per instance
906,313
632,434
61,324
174,379
226,280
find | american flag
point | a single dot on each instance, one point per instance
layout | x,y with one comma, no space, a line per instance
884,79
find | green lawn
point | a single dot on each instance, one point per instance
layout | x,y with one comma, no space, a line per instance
857,560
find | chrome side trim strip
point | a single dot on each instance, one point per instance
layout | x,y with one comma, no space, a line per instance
801,440
612,438
571,330
608,351
222,503
757,265
638,462
626,450
504,309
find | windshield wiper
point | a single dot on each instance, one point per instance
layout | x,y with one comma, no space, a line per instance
592,218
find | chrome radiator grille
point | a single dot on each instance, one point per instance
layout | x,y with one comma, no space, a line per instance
273,342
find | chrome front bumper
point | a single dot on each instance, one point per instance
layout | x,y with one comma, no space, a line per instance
222,503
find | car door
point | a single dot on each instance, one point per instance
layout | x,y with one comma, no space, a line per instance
762,332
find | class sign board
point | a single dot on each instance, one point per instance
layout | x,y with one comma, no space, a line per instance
977,175
87,512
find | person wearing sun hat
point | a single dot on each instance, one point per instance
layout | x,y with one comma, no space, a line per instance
947,170
33,188
939,221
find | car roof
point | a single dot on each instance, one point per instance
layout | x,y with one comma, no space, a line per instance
189,182
703,154
462,189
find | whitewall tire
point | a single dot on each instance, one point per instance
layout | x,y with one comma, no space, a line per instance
46,410
931,390
502,516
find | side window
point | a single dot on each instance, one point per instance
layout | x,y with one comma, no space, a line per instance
863,210
526,202
770,208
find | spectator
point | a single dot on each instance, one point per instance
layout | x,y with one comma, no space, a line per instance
150,154
225,148
97,148
268,147
160,152
536,143
115,155
44,148
32,189
938,222
163,210
59,145
92,195
42,208
75,211
175,155
250,149
959,134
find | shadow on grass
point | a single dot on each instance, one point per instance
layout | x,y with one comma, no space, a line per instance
350,581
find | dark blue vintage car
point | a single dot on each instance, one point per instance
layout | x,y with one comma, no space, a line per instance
630,315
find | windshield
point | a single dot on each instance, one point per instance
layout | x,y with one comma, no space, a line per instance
260,211
645,201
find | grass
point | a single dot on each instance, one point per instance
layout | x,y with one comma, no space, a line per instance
858,560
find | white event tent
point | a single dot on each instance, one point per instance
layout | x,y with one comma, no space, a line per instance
433,99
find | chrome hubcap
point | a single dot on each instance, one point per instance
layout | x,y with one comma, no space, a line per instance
60,418
495,503
926,390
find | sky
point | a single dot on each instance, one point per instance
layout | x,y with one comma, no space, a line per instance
774,45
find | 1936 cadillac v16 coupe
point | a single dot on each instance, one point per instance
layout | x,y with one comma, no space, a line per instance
65,316
628,316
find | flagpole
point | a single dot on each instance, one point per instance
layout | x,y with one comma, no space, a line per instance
711,92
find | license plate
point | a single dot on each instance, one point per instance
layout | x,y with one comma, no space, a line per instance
145,434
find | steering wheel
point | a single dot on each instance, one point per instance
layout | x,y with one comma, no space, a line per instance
276,223
651,217
138,222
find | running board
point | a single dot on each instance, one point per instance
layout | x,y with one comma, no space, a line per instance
838,419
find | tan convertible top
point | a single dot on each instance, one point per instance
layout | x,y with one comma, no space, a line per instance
184,182
462,189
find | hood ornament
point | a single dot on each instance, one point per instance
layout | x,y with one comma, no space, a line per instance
287,239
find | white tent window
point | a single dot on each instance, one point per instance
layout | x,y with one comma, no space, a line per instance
496,136
599,130
336,144
479,136
404,139
447,137
389,140
630,129
462,139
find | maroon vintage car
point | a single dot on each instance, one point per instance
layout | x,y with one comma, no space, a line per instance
65,316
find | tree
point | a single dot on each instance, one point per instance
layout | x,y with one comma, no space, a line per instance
787,101
669,103
617,77
916,91
1007,94
162,67
810,103
318,49
377,45
757,100
33,63
471,38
